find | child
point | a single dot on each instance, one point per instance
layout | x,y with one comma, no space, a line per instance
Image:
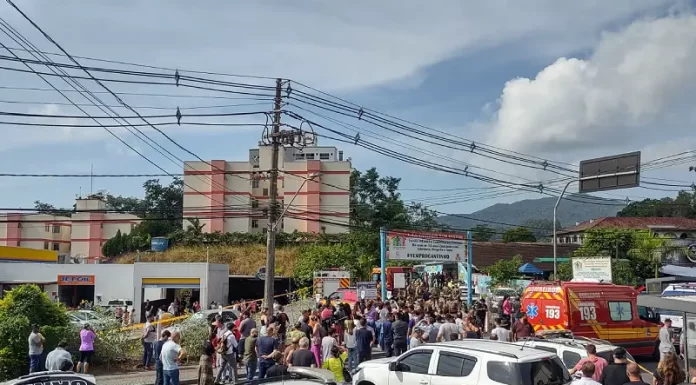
205,365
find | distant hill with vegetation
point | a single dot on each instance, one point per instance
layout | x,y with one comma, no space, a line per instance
532,213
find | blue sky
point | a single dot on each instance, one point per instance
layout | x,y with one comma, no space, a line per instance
556,80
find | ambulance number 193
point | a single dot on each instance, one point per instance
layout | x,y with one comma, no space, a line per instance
588,312
553,312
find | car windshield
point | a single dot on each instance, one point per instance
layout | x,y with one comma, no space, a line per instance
548,371
82,316
503,292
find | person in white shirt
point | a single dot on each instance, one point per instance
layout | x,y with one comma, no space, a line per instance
172,354
500,333
327,343
149,337
665,337
228,369
587,369
59,359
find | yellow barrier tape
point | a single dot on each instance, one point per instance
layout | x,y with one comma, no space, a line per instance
642,368
183,317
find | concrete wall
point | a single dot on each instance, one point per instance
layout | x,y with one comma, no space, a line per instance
213,291
110,281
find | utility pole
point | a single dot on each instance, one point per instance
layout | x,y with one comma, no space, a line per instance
269,287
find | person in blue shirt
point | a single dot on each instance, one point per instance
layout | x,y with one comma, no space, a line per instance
266,346
364,338
159,374
388,336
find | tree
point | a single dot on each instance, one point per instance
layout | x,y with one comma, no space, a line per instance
482,233
518,234
628,267
541,228
47,208
22,307
376,202
652,250
504,271
683,206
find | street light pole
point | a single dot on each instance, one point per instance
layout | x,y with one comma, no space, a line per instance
555,207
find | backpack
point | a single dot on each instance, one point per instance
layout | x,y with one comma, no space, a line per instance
222,345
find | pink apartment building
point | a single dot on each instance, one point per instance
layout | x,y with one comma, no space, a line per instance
234,196
80,236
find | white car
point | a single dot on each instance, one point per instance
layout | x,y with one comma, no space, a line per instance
53,377
465,362
571,350
82,317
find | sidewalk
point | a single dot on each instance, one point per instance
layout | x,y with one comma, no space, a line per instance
188,375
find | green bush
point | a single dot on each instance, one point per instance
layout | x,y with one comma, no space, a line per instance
22,307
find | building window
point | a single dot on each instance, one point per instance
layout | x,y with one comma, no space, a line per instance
45,245
56,229
265,212
254,224
310,156
265,192
47,228
324,156
265,230
133,226
620,311
575,239
299,156
255,183
254,204
56,246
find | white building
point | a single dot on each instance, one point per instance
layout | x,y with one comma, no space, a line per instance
234,196
100,283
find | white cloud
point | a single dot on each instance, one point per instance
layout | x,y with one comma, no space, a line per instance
333,45
637,88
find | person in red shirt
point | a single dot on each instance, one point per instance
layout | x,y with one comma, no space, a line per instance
599,362
522,328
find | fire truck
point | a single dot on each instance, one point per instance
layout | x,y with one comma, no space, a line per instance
399,276
327,282
595,310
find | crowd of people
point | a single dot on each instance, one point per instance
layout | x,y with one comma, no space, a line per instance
339,336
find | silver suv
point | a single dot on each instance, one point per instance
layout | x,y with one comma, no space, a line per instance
465,362
572,350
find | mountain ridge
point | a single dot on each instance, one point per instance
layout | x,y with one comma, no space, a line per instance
506,215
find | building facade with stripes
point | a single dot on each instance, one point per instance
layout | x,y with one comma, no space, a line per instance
233,196
79,236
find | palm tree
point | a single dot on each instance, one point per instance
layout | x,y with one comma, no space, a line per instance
654,248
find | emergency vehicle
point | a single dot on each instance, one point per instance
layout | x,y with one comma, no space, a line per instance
329,281
593,310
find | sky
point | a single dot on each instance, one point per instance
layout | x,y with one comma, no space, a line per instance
546,80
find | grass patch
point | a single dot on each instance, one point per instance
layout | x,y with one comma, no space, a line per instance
242,260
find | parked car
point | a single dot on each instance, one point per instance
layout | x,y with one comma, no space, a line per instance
205,317
572,350
114,303
297,376
53,377
82,317
465,362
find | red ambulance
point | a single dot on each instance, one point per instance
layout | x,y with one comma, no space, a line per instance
595,310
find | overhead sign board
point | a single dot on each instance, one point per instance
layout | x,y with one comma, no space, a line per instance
76,280
610,172
426,246
367,290
592,269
